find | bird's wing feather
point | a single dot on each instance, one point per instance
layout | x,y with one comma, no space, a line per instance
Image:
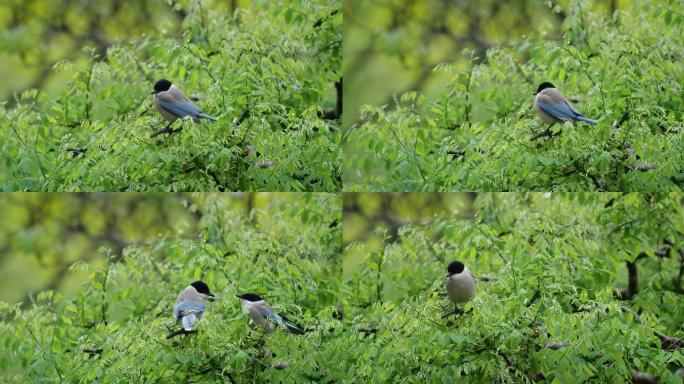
291,326
272,316
572,108
180,109
559,111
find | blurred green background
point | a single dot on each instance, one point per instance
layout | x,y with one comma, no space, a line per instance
374,219
43,234
392,46
36,34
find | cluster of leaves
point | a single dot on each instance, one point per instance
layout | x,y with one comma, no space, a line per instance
115,329
478,135
267,72
548,268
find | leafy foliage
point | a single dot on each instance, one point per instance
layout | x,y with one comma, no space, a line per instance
390,47
625,71
266,72
548,266
115,329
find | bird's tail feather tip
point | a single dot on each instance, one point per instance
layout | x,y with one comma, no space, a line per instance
587,120
294,329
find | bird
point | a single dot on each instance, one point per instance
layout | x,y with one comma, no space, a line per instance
261,314
553,107
190,304
460,284
172,103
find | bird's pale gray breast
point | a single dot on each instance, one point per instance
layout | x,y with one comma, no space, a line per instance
461,287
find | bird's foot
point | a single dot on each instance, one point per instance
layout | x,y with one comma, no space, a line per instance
456,311
168,129
180,332
545,133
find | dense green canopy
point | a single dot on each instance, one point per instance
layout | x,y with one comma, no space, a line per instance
268,72
477,135
115,329
548,269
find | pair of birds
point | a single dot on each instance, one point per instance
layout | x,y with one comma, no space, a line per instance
191,303
549,102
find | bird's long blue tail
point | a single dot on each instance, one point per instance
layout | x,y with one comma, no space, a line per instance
586,119
292,329
205,116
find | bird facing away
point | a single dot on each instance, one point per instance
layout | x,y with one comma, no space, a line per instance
190,304
460,284
261,314
554,108
172,103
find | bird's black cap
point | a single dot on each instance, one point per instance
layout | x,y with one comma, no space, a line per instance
455,267
201,287
543,86
252,297
161,86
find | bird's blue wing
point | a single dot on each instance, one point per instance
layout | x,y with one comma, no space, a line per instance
559,111
181,108
579,116
572,108
272,316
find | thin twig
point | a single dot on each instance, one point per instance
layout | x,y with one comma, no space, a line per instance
52,358
545,133
180,332
166,129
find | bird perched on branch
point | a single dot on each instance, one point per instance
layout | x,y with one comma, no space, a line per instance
460,284
190,305
554,108
261,314
172,104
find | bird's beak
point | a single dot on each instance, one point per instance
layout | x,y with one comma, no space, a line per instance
238,296
534,94
153,93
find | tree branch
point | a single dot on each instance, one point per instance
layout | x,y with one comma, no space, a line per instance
75,151
545,133
632,285
180,332
643,378
93,351
335,113
166,129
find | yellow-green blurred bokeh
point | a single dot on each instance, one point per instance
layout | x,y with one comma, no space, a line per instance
36,34
374,218
43,234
